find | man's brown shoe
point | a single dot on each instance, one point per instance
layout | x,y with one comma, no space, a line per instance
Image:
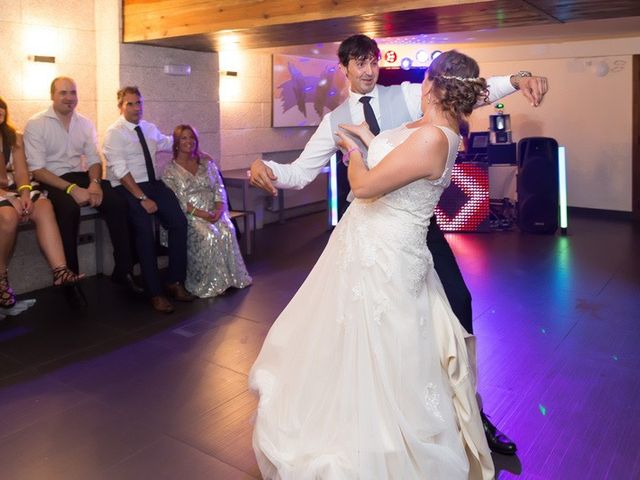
161,304
179,293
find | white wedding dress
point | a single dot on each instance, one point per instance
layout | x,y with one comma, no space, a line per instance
367,374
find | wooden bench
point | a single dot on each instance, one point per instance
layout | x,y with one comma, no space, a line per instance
249,230
90,214
86,214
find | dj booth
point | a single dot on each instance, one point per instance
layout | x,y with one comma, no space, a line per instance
496,184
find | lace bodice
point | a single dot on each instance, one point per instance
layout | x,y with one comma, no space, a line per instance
397,221
420,197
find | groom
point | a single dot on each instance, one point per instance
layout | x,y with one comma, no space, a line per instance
384,108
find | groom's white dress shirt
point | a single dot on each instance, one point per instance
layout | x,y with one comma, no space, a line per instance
322,144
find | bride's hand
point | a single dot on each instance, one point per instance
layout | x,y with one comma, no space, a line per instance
361,131
345,143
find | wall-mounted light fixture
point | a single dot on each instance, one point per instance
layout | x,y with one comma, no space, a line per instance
231,63
422,56
178,70
42,58
406,63
407,59
600,68
42,47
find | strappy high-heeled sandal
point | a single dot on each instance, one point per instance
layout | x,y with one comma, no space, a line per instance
63,277
7,296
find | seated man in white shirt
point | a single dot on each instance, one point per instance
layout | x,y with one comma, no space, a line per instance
61,150
130,147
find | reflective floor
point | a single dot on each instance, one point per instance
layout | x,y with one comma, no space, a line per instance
123,393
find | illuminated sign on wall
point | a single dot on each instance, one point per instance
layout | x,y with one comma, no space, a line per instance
390,56
464,205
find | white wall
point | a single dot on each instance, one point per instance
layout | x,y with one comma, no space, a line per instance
591,116
84,36
246,132
171,100
585,111
29,27
588,113
245,107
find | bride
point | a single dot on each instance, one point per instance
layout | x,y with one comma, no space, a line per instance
367,374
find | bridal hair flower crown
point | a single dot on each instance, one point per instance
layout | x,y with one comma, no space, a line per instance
461,79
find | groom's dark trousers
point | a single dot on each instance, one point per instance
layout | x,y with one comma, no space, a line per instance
447,269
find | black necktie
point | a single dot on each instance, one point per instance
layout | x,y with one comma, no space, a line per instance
148,161
369,116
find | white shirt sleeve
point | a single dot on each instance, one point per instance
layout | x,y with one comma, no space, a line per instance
164,143
91,147
412,93
34,146
499,87
316,154
114,149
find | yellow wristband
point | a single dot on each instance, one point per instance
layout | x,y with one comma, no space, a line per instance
70,187
25,186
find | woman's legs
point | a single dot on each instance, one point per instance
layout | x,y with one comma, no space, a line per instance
48,233
50,242
8,226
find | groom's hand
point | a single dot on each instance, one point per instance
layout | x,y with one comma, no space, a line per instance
262,177
533,88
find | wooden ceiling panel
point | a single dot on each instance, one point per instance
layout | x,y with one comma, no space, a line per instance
149,19
207,25
576,10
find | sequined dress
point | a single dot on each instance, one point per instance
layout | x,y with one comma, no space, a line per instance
214,261
367,374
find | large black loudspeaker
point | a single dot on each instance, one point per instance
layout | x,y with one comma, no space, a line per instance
538,185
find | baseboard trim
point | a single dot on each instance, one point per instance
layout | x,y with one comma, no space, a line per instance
600,214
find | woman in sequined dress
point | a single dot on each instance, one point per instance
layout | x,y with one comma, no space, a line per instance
214,261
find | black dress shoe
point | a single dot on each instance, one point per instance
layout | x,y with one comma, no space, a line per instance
498,441
128,282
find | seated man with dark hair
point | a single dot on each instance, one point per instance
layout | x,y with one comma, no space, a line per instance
130,148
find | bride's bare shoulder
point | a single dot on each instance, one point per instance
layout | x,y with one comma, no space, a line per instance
429,136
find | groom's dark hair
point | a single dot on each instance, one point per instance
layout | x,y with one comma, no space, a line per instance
358,47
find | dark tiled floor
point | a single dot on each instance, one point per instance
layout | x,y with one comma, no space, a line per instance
123,393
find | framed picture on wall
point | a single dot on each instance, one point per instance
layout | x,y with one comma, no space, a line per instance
305,89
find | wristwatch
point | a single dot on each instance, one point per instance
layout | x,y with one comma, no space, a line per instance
142,197
515,79
96,180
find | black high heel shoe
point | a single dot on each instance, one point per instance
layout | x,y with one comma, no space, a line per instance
63,277
7,296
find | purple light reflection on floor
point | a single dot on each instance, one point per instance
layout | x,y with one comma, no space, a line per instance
124,393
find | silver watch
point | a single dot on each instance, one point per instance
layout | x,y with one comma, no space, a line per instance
142,197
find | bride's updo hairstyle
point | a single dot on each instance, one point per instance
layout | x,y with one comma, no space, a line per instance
456,84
